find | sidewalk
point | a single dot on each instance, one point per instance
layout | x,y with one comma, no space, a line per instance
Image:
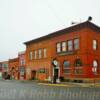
71,84
62,84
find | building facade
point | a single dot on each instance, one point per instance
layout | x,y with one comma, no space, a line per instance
4,70
1,66
14,68
70,54
22,65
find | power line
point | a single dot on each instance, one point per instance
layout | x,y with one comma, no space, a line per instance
49,5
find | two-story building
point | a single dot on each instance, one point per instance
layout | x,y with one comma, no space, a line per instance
14,68
22,65
4,69
72,53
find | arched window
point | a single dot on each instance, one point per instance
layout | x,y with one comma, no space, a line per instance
78,63
66,64
95,44
95,63
66,67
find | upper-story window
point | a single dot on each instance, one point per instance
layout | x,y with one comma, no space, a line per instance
58,47
45,52
76,44
95,44
31,55
35,54
22,62
70,45
63,46
95,66
40,53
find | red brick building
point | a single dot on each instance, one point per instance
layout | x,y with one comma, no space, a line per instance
72,53
14,68
4,69
22,65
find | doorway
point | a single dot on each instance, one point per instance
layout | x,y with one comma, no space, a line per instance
33,74
56,75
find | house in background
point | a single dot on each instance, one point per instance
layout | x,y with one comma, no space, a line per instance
0,70
71,54
22,65
14,68
4,69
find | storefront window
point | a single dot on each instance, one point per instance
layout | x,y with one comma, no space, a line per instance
66,67
66,64
78,63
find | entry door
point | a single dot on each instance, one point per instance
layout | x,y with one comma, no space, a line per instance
56,72
33,74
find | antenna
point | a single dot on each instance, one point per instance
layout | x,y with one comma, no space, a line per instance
75,22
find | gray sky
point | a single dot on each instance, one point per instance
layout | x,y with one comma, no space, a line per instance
23,20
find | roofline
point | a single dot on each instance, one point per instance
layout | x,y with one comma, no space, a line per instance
63,31
21,52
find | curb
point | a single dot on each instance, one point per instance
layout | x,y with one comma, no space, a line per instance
57,85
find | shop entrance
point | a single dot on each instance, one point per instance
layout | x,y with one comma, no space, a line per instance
56,75
56,72
33,74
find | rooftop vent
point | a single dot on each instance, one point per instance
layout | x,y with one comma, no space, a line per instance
89,18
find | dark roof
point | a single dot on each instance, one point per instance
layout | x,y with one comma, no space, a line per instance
66,30
14,59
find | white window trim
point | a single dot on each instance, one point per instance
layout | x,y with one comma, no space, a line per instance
94,44
45,52
64,45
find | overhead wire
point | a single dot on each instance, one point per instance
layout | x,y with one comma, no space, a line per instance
49,5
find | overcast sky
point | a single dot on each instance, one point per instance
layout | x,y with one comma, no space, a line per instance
23,20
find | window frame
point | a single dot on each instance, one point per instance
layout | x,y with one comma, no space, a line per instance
31,55
63,46
77,44
40,53
58,48
67,68
71,45
96,62
76,63
45,53
95,44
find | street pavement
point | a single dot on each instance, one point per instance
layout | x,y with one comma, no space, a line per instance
18,90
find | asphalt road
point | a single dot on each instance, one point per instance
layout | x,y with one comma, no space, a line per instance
15,90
